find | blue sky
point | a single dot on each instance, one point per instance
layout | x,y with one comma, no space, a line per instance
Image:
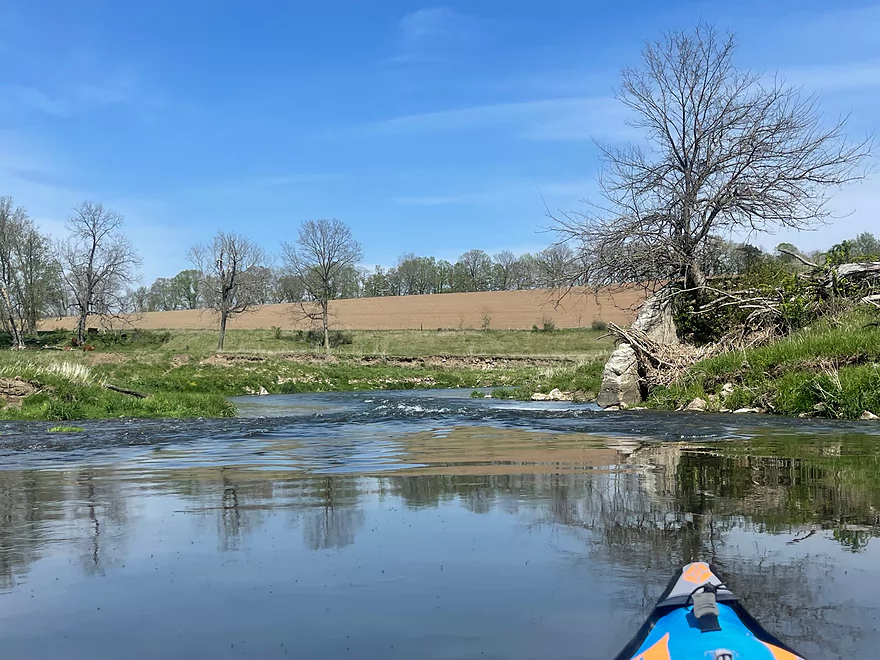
427,128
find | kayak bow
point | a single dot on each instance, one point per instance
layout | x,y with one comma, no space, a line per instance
698,617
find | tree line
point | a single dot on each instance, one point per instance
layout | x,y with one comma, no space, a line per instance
474,270
92,271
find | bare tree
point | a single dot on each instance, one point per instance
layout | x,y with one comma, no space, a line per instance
322,257
13,225
729,150
97,262
474,271
232,273
556,266
505,265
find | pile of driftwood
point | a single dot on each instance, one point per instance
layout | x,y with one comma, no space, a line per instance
823,288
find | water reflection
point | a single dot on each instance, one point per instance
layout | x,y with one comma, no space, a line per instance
569,536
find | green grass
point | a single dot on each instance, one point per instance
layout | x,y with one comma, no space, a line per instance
65,429
411,343
830,369
181,379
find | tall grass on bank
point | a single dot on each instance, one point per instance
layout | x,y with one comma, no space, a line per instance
69,389
31,369
830,369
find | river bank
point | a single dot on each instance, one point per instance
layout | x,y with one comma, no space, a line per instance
829,369
176,374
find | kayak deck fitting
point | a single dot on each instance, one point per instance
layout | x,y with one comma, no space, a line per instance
698,617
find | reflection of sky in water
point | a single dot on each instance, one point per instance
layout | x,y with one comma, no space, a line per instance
539,534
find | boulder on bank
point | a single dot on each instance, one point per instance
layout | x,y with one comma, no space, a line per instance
621,381
697,405
868,416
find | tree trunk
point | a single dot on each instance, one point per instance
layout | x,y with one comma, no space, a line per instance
223,317
695,278
325,313
81,326
14,330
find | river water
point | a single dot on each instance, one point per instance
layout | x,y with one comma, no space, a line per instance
428,525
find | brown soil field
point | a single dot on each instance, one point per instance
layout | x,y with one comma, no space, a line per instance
507,310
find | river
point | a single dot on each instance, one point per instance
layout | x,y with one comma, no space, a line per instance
427,525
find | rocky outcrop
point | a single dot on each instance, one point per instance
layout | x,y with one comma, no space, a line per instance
13,390
622,384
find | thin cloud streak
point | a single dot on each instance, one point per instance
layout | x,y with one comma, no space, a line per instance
573,118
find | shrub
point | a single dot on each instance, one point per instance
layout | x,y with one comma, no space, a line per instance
315,338
599,324
276,332
143,338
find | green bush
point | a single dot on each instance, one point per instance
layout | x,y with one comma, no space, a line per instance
133,338
599,325
315,338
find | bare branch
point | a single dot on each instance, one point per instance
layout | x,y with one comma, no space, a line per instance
799,257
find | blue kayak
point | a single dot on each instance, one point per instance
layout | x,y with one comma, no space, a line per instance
699,618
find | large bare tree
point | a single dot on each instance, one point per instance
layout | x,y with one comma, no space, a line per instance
97,262
232,273
324,255
728,151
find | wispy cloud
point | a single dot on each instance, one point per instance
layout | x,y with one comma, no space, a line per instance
864,75
505,192
70,99
580,118
434,35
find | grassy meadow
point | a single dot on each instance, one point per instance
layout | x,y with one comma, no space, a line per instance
181,374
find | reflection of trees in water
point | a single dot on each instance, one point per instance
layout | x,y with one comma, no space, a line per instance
101,518
327,506
88,503
335,518
28,500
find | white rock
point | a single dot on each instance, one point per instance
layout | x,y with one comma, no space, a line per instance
697,405
746,410
868,415
555,394
262,391
727,389
538,396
